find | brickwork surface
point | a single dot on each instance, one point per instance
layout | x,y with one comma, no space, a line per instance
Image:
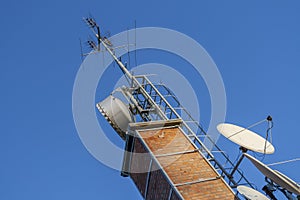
140,164
181,169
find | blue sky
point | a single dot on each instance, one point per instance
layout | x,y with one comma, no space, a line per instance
255,45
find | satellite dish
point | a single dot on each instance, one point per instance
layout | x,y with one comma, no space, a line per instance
287,179
277,177
250,193
246,138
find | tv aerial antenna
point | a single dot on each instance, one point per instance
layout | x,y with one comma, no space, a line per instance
95,46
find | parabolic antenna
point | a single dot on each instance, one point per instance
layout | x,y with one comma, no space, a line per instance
250,193
277,177
288,179
117,113
246,138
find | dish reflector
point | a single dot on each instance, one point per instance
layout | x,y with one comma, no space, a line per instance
293,183
117,113
246,138
250,193
277,177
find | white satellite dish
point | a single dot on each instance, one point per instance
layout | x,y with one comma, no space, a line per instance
288,179
250,193
277,177
246,138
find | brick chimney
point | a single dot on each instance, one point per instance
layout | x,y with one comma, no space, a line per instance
166,164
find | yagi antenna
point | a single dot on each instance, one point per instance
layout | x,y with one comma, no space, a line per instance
107,45
90,22
91,44
95,29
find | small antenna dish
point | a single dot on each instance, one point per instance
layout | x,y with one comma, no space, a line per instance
250,193
277,177
246,138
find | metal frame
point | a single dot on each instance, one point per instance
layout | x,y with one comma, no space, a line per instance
156,97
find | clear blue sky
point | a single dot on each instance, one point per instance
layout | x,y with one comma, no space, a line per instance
255,44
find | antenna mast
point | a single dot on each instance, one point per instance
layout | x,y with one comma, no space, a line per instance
152,102
105,42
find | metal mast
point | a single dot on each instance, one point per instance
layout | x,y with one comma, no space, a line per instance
152,104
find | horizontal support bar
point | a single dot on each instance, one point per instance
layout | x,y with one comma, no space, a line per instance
154,124
177,153
191,135
198,181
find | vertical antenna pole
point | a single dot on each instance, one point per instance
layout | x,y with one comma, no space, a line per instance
244,150
121,65
135,42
